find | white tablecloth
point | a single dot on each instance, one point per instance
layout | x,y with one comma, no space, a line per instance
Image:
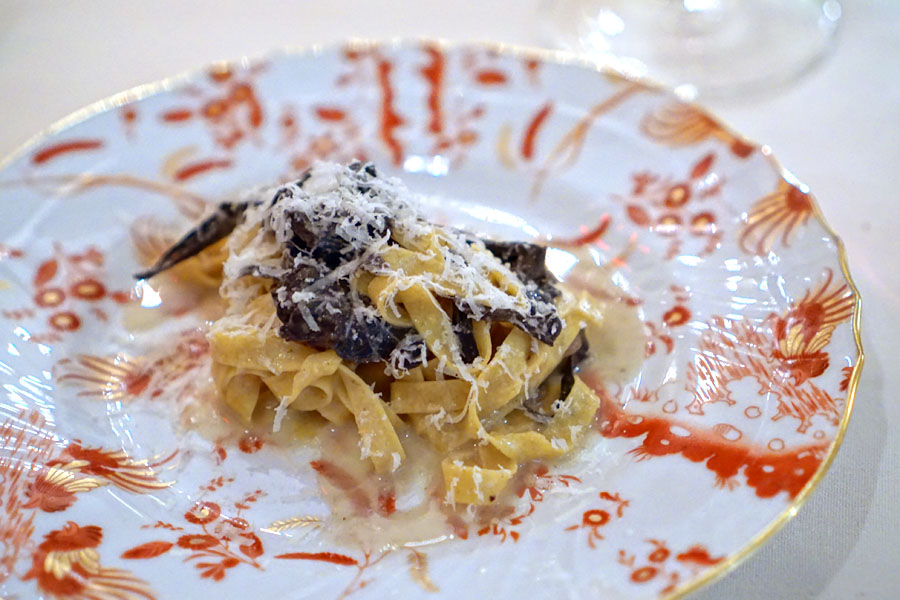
838,129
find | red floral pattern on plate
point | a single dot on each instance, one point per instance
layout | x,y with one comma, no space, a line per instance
678,209
660,566
684,223
67,565
210,537
504,520
35,479
67,290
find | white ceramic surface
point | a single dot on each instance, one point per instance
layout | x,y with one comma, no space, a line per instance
748,315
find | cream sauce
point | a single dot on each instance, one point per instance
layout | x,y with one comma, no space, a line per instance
405,509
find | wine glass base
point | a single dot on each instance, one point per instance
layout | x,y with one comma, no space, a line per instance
717,48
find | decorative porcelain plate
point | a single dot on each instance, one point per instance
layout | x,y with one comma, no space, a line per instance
117,479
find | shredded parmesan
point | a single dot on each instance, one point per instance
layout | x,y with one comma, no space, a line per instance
559,444
476,480
354,273
365,213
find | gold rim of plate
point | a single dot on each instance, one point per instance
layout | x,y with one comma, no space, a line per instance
560,57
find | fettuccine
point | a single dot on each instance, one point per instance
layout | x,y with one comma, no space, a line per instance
476,345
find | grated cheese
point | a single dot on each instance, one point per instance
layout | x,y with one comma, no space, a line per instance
476,481
559,444
366,213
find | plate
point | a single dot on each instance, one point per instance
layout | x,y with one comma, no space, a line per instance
115,474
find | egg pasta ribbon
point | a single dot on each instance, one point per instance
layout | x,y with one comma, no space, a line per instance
344,306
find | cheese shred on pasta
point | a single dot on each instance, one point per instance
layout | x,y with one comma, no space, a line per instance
337,287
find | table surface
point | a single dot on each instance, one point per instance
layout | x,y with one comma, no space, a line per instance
836,129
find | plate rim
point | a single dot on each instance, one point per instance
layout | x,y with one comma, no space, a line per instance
547,56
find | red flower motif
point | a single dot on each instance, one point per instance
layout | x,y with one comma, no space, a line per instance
644,574
49,297
65,321
203,512
678,315
678,196
197,542
661,554
703,223
88,289
668,224
595,518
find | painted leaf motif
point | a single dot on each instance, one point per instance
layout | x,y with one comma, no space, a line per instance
332,557
741,148
46,272
148,550
330,113
698,555
638,215
702,166
593,235
292,523
491,77
216,571
177,115
193,169
254,548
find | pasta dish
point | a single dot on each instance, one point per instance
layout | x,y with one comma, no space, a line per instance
344,305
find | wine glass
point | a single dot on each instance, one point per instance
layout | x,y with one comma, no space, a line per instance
718,48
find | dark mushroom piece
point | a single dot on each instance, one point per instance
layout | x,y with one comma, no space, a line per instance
465,332
575,354
330,313
528,261
210,230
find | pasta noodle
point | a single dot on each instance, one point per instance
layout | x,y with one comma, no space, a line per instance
476,346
